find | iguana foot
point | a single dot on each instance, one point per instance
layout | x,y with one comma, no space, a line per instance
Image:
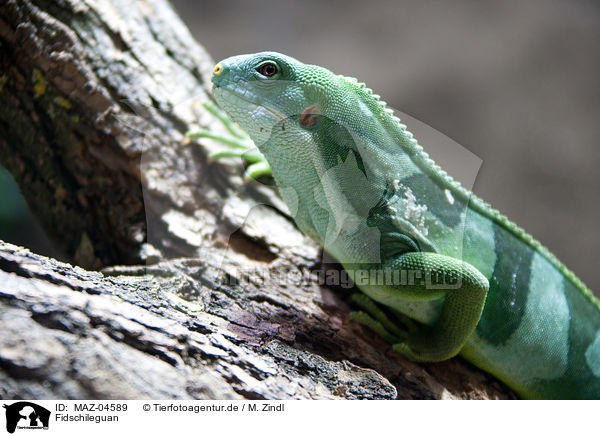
375,319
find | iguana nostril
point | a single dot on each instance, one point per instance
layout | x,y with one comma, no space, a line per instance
218,69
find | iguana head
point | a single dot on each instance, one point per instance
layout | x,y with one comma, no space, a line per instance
264,90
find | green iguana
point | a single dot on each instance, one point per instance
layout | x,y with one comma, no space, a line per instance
458,277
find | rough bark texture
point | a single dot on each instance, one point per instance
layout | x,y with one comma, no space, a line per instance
94,99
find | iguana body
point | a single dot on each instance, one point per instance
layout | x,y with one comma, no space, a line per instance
358,183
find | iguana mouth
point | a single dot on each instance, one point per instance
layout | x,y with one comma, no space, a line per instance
248,97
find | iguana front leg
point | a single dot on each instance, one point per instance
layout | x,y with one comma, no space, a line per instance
464,290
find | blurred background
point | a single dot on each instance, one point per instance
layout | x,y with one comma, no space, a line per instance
515,82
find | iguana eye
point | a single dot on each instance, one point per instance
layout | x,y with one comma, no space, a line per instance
269,69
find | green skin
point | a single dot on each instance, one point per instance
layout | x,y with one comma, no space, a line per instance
357,182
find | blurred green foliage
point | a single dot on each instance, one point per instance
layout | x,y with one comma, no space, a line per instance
17,224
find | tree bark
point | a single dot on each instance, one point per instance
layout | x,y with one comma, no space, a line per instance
95,97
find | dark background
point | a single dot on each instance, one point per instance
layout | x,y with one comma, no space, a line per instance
515,82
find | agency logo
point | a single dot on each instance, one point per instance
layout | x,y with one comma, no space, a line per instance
27,416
